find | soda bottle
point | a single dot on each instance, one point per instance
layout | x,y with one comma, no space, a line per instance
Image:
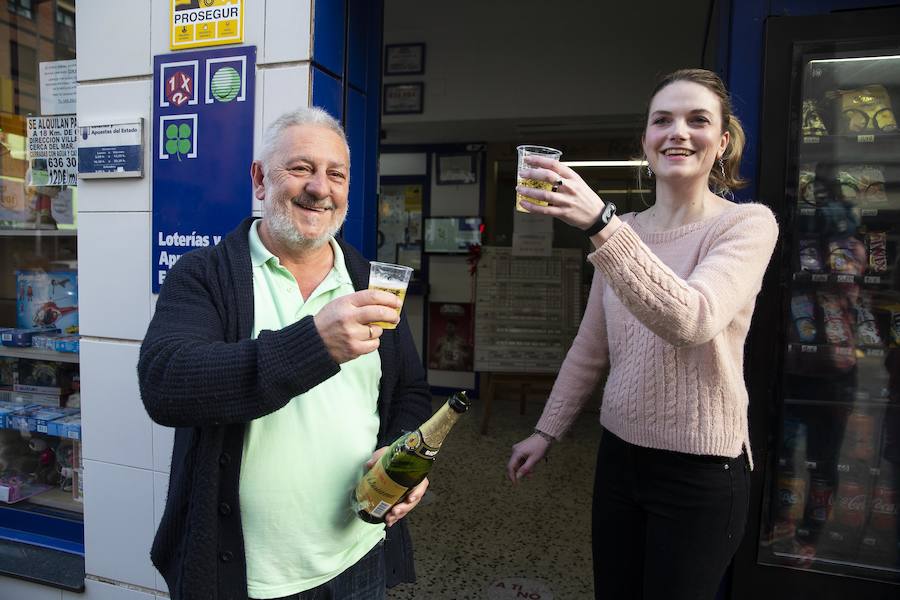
406,463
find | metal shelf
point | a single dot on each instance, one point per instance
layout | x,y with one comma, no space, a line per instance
67,357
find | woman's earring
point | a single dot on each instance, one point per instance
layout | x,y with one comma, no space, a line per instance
722,167
649,171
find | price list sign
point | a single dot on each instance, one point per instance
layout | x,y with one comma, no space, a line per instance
527,309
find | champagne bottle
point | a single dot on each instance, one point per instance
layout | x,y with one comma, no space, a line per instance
406,462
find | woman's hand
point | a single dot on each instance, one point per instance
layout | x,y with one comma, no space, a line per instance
573,202
525,455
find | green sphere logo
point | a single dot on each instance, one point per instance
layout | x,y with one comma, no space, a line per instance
225,84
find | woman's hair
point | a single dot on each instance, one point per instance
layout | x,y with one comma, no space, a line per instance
731,159
305,115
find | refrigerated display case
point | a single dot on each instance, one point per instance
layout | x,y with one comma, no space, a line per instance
824,361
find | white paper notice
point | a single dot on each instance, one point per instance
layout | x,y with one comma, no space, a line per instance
58,87
532,234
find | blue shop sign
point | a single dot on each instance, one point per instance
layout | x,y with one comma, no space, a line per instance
202,150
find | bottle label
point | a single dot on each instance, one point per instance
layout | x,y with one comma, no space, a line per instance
377,492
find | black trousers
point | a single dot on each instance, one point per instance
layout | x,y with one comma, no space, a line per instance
665,524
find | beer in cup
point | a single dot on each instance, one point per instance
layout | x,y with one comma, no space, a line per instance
392,279
523,152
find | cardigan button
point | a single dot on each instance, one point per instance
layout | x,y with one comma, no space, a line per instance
224,509
226,556
224,459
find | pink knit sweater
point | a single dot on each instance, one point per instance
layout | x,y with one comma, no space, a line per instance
669,313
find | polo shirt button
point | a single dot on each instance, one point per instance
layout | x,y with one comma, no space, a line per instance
224,459
224,509
226,556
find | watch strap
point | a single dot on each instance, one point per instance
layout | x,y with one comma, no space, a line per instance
603,220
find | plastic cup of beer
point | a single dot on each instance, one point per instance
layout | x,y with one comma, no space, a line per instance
392,279
525,151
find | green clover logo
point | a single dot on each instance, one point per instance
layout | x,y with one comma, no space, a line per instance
178,139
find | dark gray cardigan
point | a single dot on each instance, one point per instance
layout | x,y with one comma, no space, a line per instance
200,372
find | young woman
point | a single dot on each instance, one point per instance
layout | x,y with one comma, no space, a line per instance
672,296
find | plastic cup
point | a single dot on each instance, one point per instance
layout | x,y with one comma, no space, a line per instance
392,279
523,152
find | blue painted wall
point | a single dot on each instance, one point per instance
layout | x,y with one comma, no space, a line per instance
741,54
346,81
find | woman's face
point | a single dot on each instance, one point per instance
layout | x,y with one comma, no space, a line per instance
683,136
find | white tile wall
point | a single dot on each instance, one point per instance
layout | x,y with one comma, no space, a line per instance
116,428
113,38
160,491
99,102
16,589
163,437
288,31
285,89
97,590
114,274
256,205
119,523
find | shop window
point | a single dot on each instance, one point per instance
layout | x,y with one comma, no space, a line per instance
41,523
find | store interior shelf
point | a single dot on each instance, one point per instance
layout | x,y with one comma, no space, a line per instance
797,347
38,232
858,402
883,215
806,277
34,354
879,147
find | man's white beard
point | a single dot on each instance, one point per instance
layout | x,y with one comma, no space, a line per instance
281,227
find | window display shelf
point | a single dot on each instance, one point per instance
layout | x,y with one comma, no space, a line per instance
38,232
57,498
798,348
67,357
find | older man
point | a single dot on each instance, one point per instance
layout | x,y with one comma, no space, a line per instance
261,354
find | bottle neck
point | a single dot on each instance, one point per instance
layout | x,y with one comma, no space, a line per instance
435,429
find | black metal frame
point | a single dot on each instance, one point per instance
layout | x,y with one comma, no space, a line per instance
779,129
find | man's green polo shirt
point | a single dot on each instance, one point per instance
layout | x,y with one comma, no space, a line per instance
301,463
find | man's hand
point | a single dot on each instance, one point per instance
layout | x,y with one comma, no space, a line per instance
344,326
408,502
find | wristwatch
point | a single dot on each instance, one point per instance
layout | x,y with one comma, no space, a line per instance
550,439
603,220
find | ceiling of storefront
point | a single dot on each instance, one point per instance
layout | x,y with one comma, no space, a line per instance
506,71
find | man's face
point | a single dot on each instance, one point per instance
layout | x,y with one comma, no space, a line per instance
304,186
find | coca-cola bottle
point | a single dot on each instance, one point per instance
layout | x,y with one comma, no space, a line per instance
879,543
848,516
819,504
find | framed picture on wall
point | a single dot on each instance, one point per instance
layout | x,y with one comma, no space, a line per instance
409,255
404,59
403,98
456,169
451,341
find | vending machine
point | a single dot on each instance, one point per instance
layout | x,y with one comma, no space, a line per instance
823,361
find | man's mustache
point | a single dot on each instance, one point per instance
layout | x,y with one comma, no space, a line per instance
312,203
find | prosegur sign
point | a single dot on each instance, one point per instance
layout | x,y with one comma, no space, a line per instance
199,23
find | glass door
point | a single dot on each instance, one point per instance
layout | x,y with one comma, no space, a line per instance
831,499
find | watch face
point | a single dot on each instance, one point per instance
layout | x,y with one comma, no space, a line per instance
608,211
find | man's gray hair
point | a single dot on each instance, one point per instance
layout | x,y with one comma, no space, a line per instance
306,115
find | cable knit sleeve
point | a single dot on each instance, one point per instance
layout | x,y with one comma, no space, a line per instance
688,312
580,371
